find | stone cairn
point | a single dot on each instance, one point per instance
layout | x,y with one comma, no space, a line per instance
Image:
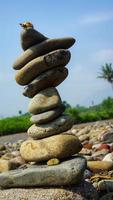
40,69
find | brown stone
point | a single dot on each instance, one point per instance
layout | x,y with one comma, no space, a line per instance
41,64
50,78
100,165
45,100
30,37
58,146
41,49
6,165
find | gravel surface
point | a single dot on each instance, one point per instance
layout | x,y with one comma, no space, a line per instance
13,138
84,191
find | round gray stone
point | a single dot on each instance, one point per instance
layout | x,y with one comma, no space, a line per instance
45,100
59,125
41,49
47,116
50,78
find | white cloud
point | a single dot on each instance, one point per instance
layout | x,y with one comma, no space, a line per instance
96,18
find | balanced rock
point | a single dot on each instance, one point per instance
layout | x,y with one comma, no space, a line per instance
67,172
48,116
30,36
45,100
50,78
41,64
41,49
59,125
58,146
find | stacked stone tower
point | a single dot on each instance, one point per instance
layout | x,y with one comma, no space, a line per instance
41,68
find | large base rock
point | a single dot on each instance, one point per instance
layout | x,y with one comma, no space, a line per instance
84,191
66,173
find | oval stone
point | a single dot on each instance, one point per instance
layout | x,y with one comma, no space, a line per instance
41,49
41,64
50,78
47,116
100,165
59,146
45,100
59,125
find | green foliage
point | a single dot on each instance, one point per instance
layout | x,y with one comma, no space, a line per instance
14,125
79,113
94,113
74,113
107,73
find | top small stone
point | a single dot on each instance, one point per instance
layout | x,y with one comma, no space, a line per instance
30,36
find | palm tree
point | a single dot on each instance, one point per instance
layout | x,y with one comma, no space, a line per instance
107,73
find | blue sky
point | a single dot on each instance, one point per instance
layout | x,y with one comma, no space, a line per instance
90,22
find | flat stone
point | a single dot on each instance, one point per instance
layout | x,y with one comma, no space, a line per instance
45,100
83,191
30,37
57,58
59,125
41,49
66,173
50,78
58,146
48,116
